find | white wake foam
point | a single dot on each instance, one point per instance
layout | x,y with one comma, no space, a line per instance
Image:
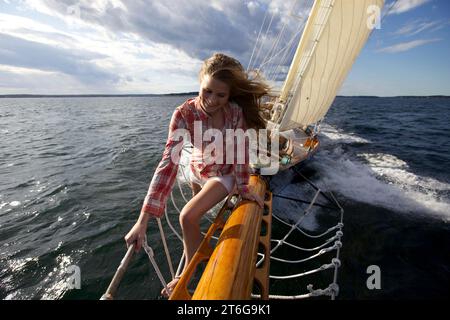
338,136
379,179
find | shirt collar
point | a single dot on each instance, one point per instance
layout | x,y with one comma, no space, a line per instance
205,116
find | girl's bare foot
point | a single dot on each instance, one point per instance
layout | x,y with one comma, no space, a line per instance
170,286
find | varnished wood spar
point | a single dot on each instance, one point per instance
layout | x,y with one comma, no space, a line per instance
230,271
203,253
112,288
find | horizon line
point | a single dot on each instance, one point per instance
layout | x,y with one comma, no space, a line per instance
20,95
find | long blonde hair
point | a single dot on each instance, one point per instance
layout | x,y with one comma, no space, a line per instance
245,91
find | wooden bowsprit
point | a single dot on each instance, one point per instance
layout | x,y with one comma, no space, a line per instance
231,269
112,288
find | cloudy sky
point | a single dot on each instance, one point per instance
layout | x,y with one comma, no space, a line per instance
152,46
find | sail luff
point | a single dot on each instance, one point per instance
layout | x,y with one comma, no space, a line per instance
318,23
323,60
335,84
320,67
337,25
355,51
293,70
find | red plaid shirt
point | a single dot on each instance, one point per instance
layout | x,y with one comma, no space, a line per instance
184,117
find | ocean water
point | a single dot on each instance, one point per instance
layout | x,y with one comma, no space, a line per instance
74,172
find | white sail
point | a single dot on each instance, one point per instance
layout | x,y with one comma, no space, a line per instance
333,37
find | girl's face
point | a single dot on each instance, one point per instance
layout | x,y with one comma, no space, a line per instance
214,94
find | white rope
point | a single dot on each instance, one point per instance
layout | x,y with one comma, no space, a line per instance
298,222
336,237
181,265
280,34
340,225
163,237
264,37
323,251
174,204
333,264
166,249
334,294
275,43
331,290
290,53
257,40
179,185
271,73
179,210
151,257
171,226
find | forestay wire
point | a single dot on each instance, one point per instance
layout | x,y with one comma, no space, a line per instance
278,38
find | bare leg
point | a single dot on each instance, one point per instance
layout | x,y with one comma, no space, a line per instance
204,199
211,194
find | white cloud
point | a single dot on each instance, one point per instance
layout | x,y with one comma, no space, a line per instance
405,46
19,80
253,6
85,57
402,6
146,47
418,26
24,71
197,27
172,22
32,30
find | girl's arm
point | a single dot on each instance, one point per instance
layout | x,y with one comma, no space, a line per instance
161,184
166,172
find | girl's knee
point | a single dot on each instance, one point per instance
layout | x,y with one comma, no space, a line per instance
188,217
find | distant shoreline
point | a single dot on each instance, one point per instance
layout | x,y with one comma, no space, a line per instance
170,94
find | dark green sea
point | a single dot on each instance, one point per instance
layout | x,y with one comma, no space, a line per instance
74,173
